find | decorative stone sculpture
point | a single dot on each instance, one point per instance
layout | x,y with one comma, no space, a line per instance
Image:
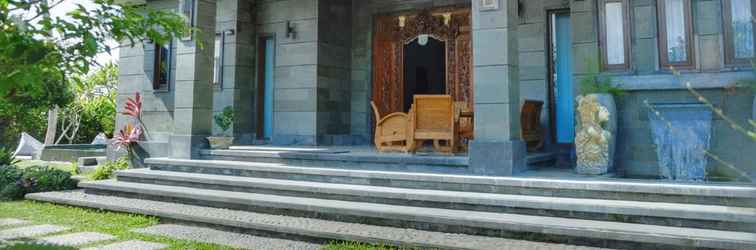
100,139
28,146
592,140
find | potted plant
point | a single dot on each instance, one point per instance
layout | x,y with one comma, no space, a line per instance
224,120
600,88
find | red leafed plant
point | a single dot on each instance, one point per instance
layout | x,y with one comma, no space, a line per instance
134,109
127,137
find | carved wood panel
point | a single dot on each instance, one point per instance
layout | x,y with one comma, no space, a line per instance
388,53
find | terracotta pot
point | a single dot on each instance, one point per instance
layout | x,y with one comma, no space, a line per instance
220,142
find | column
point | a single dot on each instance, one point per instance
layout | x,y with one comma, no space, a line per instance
497,148
194,92
235,21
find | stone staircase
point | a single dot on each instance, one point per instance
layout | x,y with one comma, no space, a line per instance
426,210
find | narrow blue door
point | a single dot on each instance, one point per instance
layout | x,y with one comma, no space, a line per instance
269,85
563,93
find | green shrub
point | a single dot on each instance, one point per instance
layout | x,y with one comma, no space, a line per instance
9,175
107,170
18,182
593,82
225,119
7,158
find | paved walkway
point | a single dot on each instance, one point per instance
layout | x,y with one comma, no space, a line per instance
16,229
11,229
236,240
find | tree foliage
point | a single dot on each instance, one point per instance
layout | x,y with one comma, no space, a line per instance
93,110
41,53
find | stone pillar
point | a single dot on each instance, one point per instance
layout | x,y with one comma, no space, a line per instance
235,20
497,148
194,92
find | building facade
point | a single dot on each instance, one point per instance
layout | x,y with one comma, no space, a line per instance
303,72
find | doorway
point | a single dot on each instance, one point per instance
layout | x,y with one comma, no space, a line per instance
265,87
429,52
561,91
424,68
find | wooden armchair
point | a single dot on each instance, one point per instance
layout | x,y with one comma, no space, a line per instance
432,118
530,123
392,132
463,116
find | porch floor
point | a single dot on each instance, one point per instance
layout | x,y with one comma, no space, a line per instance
369,153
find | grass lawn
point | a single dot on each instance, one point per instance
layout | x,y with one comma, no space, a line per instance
116,224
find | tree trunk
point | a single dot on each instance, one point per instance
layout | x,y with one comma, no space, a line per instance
52,125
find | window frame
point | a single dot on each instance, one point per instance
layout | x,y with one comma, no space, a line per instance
158,56
729,41
663,46
220,39
188,8
625,37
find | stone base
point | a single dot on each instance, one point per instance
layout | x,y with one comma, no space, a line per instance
71,153
497,158
282,139
585,170
187,146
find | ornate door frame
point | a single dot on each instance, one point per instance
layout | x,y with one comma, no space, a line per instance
450,25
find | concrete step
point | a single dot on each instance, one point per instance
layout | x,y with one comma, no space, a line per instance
738,196
597,233
354,158
315,230
655,213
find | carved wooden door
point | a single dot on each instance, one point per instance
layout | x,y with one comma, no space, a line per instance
392,32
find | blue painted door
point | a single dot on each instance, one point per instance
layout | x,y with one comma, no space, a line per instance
269,85
563,82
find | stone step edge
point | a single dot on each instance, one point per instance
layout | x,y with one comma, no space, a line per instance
329,230
450,161
514,222
637,208
746,192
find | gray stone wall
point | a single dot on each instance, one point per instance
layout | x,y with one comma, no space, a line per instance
296,67
533,54
636,152
334,70
136,70
235,18
323,74
647,82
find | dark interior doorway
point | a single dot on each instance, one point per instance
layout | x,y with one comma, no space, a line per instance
424,69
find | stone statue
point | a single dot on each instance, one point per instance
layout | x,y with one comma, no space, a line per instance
592,140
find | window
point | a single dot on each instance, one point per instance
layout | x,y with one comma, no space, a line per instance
614,34
162,70
739,35
187,9
218,60
675,33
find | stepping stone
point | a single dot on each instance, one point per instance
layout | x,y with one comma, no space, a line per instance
12,222
77,239
131,245
30,231
236,240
